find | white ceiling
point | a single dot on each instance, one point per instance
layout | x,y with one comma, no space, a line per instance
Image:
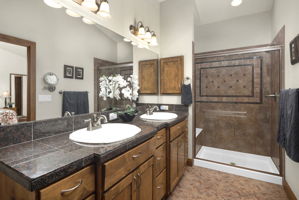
211,11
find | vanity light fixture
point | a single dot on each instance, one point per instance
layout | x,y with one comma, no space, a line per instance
140,46
104,10
236,3
144,33
72,13
87,21
134,43
90,5
53,3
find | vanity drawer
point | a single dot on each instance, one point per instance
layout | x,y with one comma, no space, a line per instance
160,186
75,187
127,162
160,159
178,129
160,137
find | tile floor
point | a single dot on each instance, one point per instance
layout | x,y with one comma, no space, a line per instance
205,184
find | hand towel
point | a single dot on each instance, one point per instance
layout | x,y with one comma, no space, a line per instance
186,97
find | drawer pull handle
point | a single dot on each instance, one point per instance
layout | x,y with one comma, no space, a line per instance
159,137
158,187
63,192
158,158
136,155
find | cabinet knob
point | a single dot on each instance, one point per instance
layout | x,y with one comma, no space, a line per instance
158,158
63,192
158,187
136,155
159,137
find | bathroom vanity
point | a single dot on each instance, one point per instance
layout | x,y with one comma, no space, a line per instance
147,166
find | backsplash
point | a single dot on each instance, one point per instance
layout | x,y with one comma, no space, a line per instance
171,107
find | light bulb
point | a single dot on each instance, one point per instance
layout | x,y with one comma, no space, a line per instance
53,3
236,3
104,10
141,31
90,4
87,21
72,13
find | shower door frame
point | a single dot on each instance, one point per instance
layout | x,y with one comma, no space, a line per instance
236,51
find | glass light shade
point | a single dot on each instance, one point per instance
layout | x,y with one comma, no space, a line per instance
148,36
53,3
133,43
87,21
236,3
72,13
90,4
141,31
127,40
154,41
104,10
140,46
6,94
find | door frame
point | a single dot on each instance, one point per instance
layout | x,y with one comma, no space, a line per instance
31,71
236,51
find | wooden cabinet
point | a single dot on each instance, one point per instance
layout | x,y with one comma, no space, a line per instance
178,154
148,77
75,187
171,75
138,185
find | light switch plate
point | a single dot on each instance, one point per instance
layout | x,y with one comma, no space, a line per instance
163,107
112,116
44,98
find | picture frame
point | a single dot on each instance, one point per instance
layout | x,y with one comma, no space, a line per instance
68,71
79,73
294,50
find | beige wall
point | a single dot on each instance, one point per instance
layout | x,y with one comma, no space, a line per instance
13,60
285,12
239,32
60,40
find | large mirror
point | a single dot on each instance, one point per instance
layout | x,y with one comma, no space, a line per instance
64,72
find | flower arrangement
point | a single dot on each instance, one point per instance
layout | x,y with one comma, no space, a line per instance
116,87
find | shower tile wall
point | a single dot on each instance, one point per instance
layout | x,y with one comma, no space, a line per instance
231,106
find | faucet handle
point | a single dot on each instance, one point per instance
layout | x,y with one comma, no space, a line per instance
87,120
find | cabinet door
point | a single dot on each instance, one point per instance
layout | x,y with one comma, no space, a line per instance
171,75
145,175
173,163
148,76
124,190
181,155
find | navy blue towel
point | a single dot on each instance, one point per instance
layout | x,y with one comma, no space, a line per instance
76,102
186,97
288,133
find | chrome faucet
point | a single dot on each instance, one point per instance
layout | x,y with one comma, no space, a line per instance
150,110
95,122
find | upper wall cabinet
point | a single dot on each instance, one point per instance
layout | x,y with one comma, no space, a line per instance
171,75
148,76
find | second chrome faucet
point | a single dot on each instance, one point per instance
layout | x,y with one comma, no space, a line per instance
95,122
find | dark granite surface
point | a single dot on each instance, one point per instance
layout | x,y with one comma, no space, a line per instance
41,162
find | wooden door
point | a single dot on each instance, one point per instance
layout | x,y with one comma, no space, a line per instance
171,75
148,76
145,175
124,190
19,94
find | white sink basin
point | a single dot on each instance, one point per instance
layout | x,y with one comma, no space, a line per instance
109,133
159,116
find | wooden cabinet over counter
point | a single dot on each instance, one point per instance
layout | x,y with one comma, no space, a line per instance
148,76
171,75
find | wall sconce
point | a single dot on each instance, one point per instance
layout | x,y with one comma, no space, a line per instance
144,33
51,80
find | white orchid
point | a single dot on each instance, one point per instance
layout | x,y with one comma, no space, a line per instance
115,85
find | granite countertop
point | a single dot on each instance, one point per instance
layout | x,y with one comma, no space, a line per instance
41,162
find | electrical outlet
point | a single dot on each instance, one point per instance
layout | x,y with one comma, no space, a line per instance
112,116
163,107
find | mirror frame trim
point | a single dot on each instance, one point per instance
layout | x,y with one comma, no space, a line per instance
31,71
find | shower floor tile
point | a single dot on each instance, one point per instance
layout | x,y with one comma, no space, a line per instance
205,184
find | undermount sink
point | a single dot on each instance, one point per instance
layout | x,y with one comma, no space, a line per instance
109,133
159,116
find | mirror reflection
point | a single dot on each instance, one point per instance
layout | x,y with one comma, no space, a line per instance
77,55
